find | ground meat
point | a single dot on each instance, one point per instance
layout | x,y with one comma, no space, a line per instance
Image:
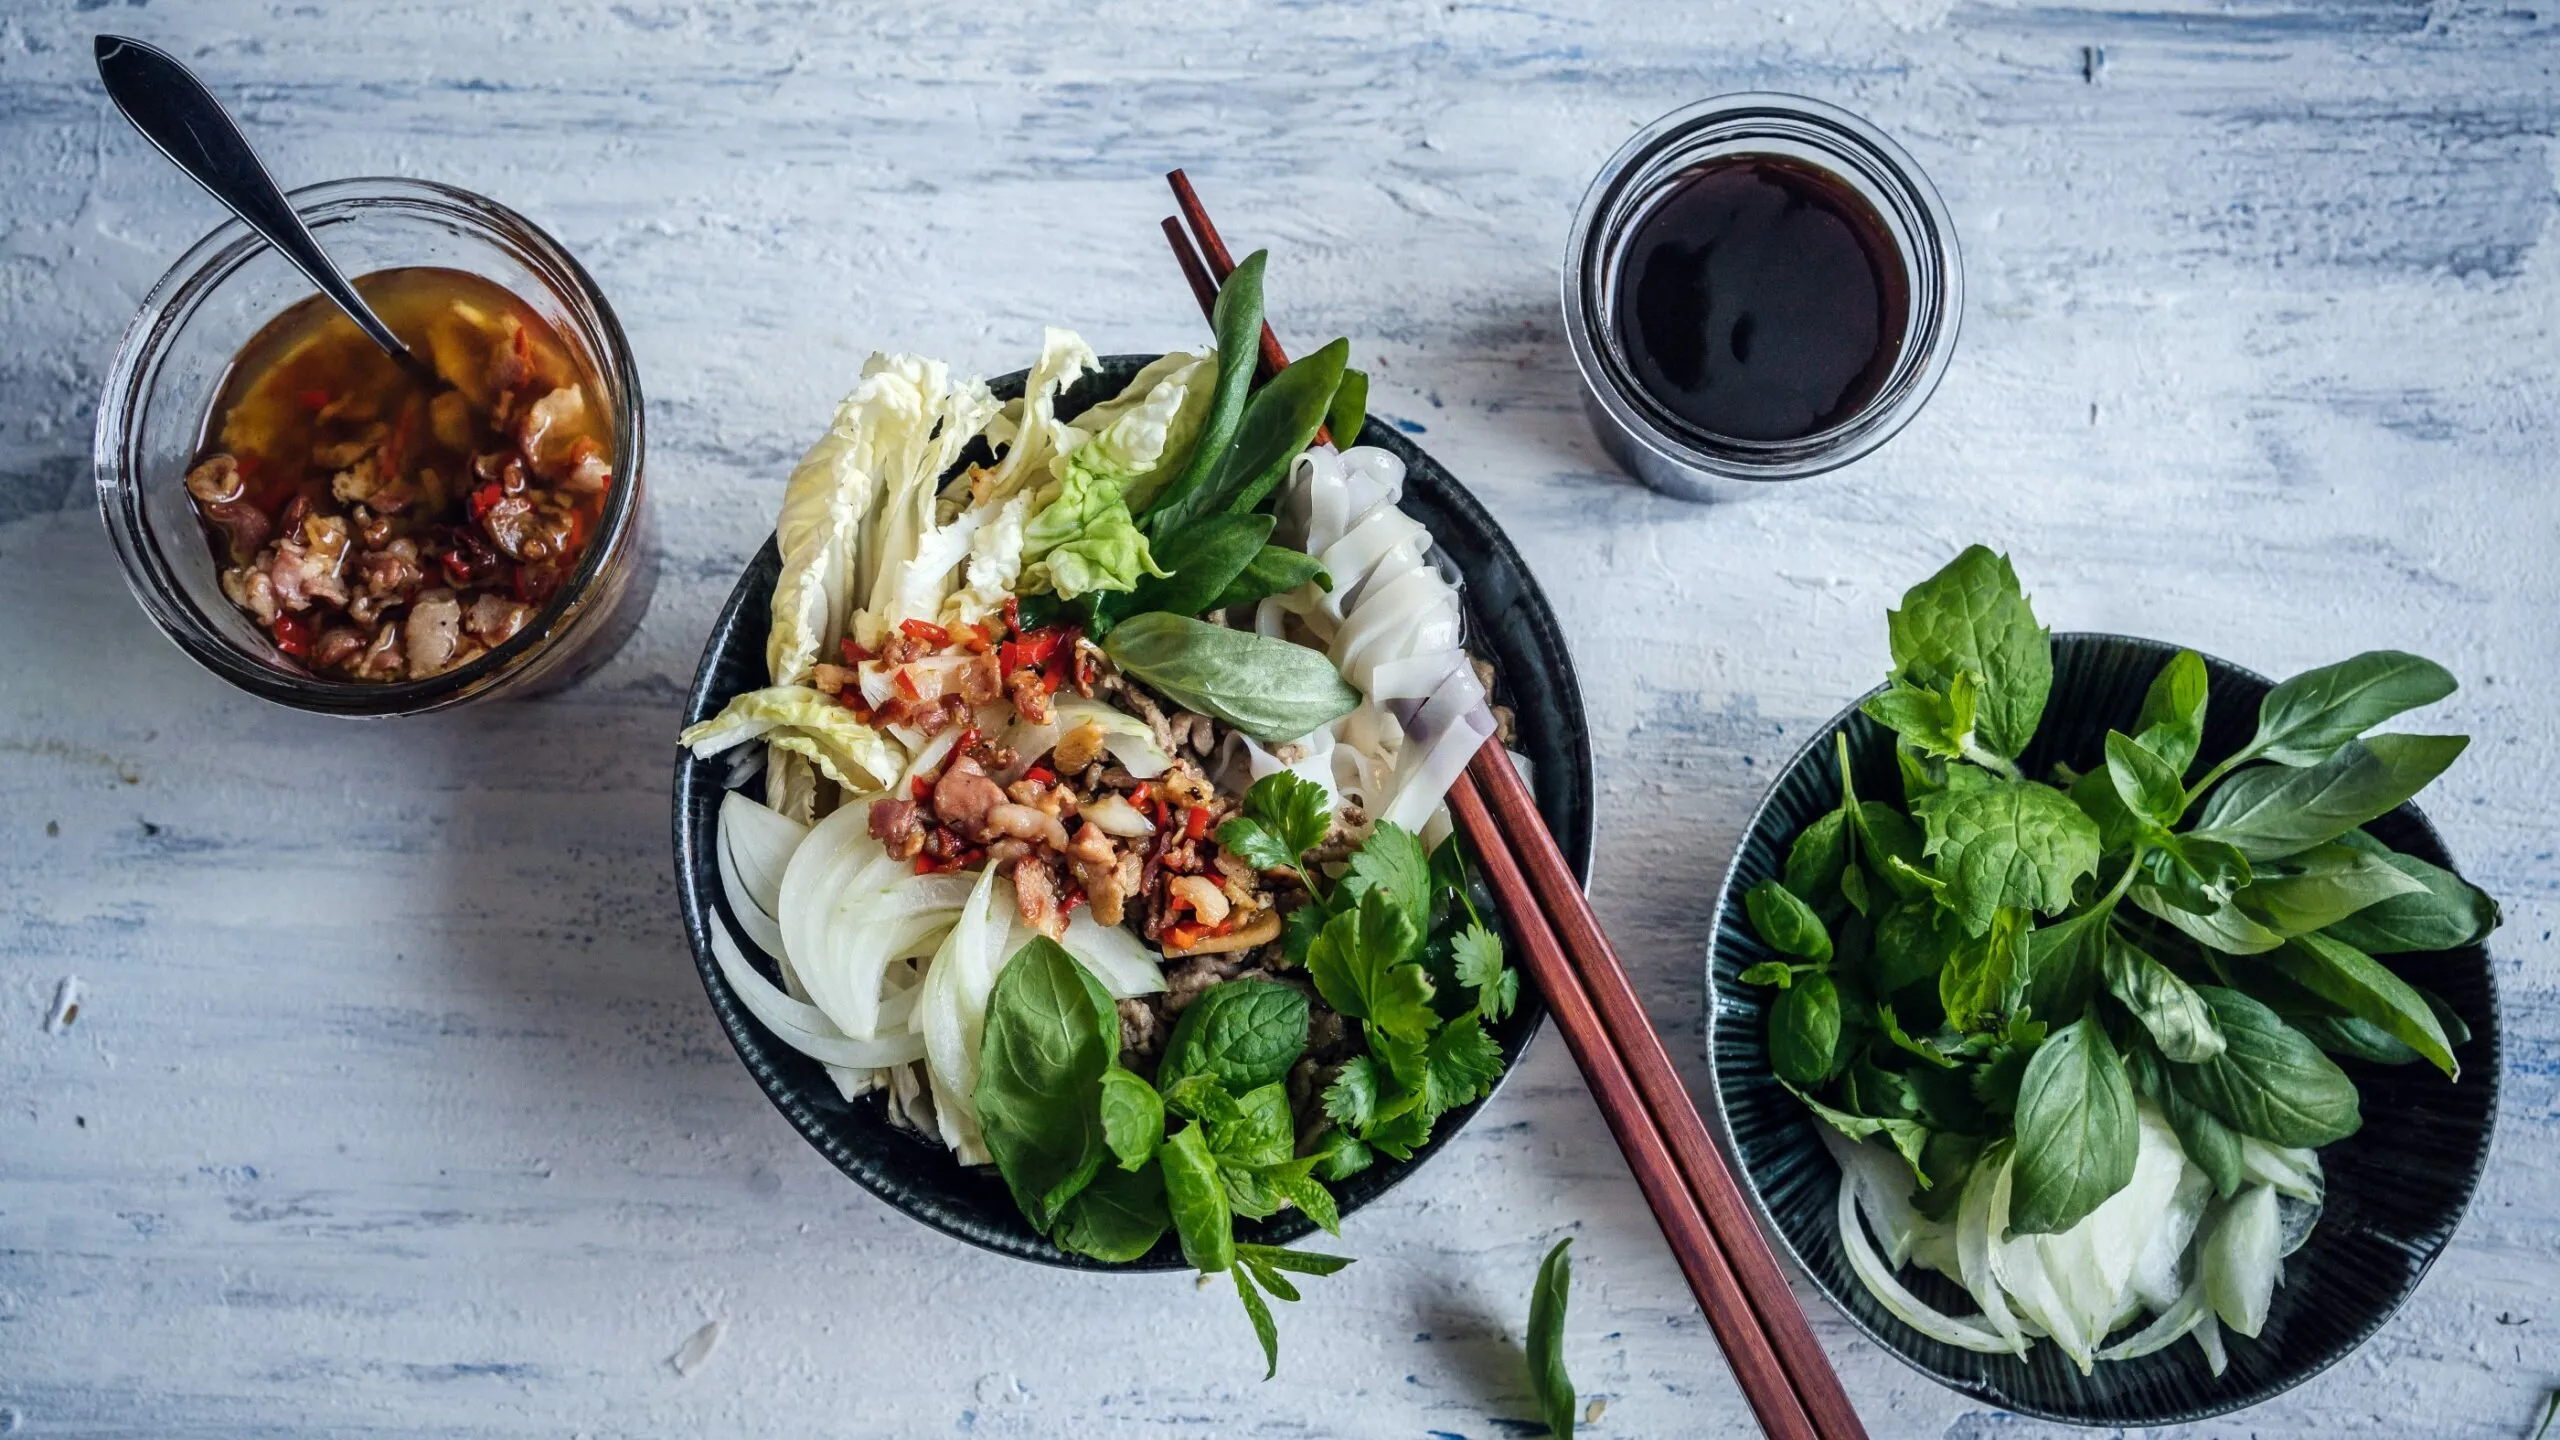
980,681
1142,1033
898,827
1097,866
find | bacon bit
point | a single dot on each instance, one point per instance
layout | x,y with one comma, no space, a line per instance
907,685
293,634
1196,824
1084,670
1041,773
315,399
852,700
926,631
853,654
980,641
1013,613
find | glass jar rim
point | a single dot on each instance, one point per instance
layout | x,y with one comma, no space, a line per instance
1865,160
173,301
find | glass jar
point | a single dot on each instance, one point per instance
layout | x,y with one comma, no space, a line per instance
1656,446
172,364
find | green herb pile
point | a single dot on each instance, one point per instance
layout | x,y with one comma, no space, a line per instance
2006,965
1104,1162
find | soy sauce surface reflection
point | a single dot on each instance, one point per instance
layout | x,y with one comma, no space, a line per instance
1761,300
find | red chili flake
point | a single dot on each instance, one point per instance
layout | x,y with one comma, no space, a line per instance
485,499
921,788
1196,824
927,865
1084,672
1181,937
293,634
968,741
1054,674
456,568
1074,899
315,399
851,698
1013,614
1038,645
907,685
1008,659
853,654
979,640
1041,774
926,631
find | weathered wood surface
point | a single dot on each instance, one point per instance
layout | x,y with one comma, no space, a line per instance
393,1105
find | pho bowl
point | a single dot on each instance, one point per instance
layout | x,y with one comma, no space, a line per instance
1509,622
2396,1189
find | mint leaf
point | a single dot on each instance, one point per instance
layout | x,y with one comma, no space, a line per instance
1973,617
1785,923
2006,843
1480,968
1132,1117
1264,1329
1361,963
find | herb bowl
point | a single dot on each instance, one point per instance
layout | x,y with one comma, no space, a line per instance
1508,622
2397,1188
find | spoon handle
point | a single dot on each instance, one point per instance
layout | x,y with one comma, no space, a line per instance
173,110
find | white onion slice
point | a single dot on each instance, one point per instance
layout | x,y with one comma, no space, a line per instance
2166,1328
800,1026
2241,1258
1910,1309
753,918
1113,815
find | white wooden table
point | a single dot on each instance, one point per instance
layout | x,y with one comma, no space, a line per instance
392,1104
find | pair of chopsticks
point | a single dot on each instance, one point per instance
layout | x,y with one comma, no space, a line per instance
1775,1359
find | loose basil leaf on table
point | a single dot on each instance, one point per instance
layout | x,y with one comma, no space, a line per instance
1270,689
1548,1381
2076,1130
2273,811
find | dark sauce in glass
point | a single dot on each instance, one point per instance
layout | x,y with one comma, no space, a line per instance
1761,299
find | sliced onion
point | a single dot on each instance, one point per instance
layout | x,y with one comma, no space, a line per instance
2287,1170
762,929
1910,1309
2241,1258
1985,1191
1118,959
1113,815
2166,1328
1130,740
800,1026
951,1017
760,842
2208,1338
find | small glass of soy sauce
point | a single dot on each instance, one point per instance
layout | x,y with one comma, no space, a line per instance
1758,287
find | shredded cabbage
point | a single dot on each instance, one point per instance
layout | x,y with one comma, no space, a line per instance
803,722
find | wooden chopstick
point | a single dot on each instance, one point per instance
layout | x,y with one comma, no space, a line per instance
1775,1359
1515,826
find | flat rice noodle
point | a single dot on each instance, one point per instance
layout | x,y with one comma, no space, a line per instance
1318,512
1373,475
800,1026
1446,733
1418,612
1879,1279
1414,677
1379,536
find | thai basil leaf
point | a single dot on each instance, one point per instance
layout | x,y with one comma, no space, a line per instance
2322,886
1817,858
2450,912
2356,983
1274,570
1204,557
1769,972
2076,1131
2228,929
2198,876
2270,1080
2356,1039
1786,923
1132,1117
1040,1071
1350,408
1243,1033
2272,811
1279,423
1259,1313
2118,828
1980,984
2207,1141
2148,785
1237,320
1972,617
2307,718
1908,1136
2171,725
1804,1031
1198,1201
2180,1023
1548,1381
2007,843
1270,689
1116,1219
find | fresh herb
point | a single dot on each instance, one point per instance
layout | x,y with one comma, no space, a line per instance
1961,974
1273,570
1350,408
1547,1378
1207,555
1242,1033
1040,1082
1279,424
1270,689
1237,319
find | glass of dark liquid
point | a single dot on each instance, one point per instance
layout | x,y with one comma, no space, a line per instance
1758,287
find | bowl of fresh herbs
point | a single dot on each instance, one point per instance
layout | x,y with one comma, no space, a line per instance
2099,1024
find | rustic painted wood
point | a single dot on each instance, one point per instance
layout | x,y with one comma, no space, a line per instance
392,1105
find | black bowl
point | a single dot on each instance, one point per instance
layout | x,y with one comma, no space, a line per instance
1508,621
2397,1187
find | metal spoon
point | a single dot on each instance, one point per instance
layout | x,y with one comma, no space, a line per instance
173,110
